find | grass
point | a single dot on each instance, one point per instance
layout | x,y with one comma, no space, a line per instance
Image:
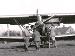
64,48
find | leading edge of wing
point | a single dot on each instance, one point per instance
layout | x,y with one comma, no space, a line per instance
65,35
12,39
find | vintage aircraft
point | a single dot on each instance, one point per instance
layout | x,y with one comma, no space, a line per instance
20,20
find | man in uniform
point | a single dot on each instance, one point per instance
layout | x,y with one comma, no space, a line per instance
26,36
37,32
52,35
36,35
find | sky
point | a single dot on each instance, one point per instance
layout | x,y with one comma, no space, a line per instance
19,7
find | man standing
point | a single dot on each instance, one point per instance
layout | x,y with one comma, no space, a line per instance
37,32
52,35
50,32
26,35
36,35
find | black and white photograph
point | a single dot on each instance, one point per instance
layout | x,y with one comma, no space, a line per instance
37,28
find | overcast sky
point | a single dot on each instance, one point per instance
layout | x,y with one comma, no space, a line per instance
17,7
20,7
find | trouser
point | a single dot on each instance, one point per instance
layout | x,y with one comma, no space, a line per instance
26,43
53,41
37,44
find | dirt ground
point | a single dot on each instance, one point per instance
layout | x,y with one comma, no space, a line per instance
64,48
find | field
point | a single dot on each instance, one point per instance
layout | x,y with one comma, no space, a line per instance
64,48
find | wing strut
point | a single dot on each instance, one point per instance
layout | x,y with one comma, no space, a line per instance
48,19
21,26
18,24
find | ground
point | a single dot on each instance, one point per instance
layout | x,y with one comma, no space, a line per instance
64,48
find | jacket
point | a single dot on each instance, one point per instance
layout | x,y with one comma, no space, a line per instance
36,35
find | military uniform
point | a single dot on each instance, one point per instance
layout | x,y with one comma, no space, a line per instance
36,35
50,32
52,35
26,36
37,32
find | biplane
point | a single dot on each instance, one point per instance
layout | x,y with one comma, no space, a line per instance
20,20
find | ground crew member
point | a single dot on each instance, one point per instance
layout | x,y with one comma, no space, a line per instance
26,36
36,35
52,35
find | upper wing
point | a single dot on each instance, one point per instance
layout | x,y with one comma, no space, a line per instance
66,19
61,18
24,19
21,19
